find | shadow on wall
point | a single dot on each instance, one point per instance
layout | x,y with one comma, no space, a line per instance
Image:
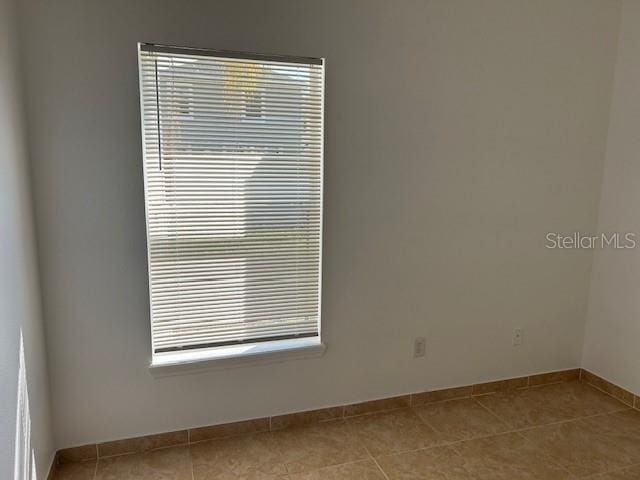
24,458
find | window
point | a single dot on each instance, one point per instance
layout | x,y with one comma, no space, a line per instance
233,152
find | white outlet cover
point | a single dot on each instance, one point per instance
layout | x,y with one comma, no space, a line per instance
518,334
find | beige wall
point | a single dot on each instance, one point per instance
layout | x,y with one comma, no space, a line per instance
612,341
458,134
20,316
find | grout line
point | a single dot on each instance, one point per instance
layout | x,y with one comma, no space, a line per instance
559,422
559,382
435,402
507,390
366,449
226,437
350,462
137,452
387,410
508,424
124,454
569,420
453,447
457,452
425,422
447,443
384,474
586,382
193,475
303,472
615,470
95,469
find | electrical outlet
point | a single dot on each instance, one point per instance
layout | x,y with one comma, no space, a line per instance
419,347
518,334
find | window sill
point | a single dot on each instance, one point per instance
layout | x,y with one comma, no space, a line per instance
167,364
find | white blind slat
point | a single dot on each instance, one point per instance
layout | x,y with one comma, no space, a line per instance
233,190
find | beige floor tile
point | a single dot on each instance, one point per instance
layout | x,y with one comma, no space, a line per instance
621,429
394,432
507,457
589,400
549,404
569,430
364,470
461,419
75,471
442,463
167,464
249,457
632,473
593,445
304,449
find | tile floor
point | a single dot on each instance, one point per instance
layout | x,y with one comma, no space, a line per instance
552,432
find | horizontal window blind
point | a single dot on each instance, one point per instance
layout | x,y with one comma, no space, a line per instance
233,148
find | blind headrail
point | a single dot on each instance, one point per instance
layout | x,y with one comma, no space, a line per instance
207,52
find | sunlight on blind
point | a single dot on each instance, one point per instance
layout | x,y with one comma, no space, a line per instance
233,186
24,465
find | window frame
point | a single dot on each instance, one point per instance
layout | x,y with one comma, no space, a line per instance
244,353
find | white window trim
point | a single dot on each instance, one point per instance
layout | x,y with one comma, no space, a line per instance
251,354
175,363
